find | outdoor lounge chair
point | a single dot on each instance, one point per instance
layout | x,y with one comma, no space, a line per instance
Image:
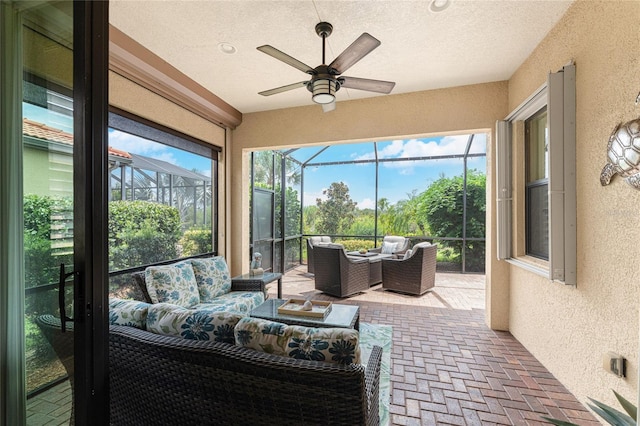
414,274
338,275
312,242
401,245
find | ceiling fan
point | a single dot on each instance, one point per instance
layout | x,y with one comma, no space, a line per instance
326,80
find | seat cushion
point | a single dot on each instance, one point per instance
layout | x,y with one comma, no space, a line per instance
195,324
212,276
175,284
332,345
128,312
235,301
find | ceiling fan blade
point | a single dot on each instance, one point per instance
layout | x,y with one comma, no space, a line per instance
379,86
329,107
284,88
272,51
356,51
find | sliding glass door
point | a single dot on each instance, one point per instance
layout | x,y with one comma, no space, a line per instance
47,155
52,304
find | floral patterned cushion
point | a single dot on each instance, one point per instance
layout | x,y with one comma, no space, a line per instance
238,301
333,345
128,312
212,276
195,324
175,284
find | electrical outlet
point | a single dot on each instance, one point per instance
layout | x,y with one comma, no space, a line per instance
614,364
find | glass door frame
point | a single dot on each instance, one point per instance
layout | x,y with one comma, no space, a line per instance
91,120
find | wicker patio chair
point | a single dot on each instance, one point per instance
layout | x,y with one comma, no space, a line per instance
402,245
338,275
62,344
414,275
312,243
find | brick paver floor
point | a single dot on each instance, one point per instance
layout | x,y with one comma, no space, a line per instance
448,367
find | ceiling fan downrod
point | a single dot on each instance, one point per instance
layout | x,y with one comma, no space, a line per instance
324,29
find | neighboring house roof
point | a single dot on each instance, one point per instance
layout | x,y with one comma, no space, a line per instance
44,132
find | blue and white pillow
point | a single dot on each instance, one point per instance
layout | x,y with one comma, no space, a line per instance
175,283
194,324
128,312
212,276
332,345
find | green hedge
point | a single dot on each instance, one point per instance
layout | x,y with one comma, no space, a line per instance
142,232
196,241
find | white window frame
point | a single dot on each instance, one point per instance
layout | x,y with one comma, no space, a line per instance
559,96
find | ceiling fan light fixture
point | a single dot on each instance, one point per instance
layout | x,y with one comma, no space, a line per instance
324,91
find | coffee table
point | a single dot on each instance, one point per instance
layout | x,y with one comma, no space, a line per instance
375,264
343,316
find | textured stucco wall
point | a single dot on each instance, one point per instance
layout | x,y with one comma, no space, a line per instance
569,329
437,112
133,98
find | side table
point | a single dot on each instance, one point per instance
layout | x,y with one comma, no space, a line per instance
261,280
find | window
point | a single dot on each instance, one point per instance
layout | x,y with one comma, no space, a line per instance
536,194
163,188
537,185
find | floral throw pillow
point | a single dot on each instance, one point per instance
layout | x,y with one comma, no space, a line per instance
175,283
128,312
333,345
212,276
194,324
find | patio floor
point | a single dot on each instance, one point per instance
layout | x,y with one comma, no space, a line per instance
448,367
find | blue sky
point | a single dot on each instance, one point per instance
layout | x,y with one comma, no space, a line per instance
396,180
149,148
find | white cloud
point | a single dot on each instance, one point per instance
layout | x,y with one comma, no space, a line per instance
448,145
310,197
366,203
135,144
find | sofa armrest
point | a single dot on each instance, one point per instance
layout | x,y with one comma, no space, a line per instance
372,382
375,250
139,278
248,285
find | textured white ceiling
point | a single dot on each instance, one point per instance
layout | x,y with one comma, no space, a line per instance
473,41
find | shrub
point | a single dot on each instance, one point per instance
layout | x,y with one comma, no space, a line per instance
353,245
141,232
196,241
41,214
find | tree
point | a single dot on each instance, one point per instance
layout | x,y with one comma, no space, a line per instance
292,211
442,206
337,213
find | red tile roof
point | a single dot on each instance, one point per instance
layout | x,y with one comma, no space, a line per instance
42,131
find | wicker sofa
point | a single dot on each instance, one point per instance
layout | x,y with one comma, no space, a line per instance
157,379
212,287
